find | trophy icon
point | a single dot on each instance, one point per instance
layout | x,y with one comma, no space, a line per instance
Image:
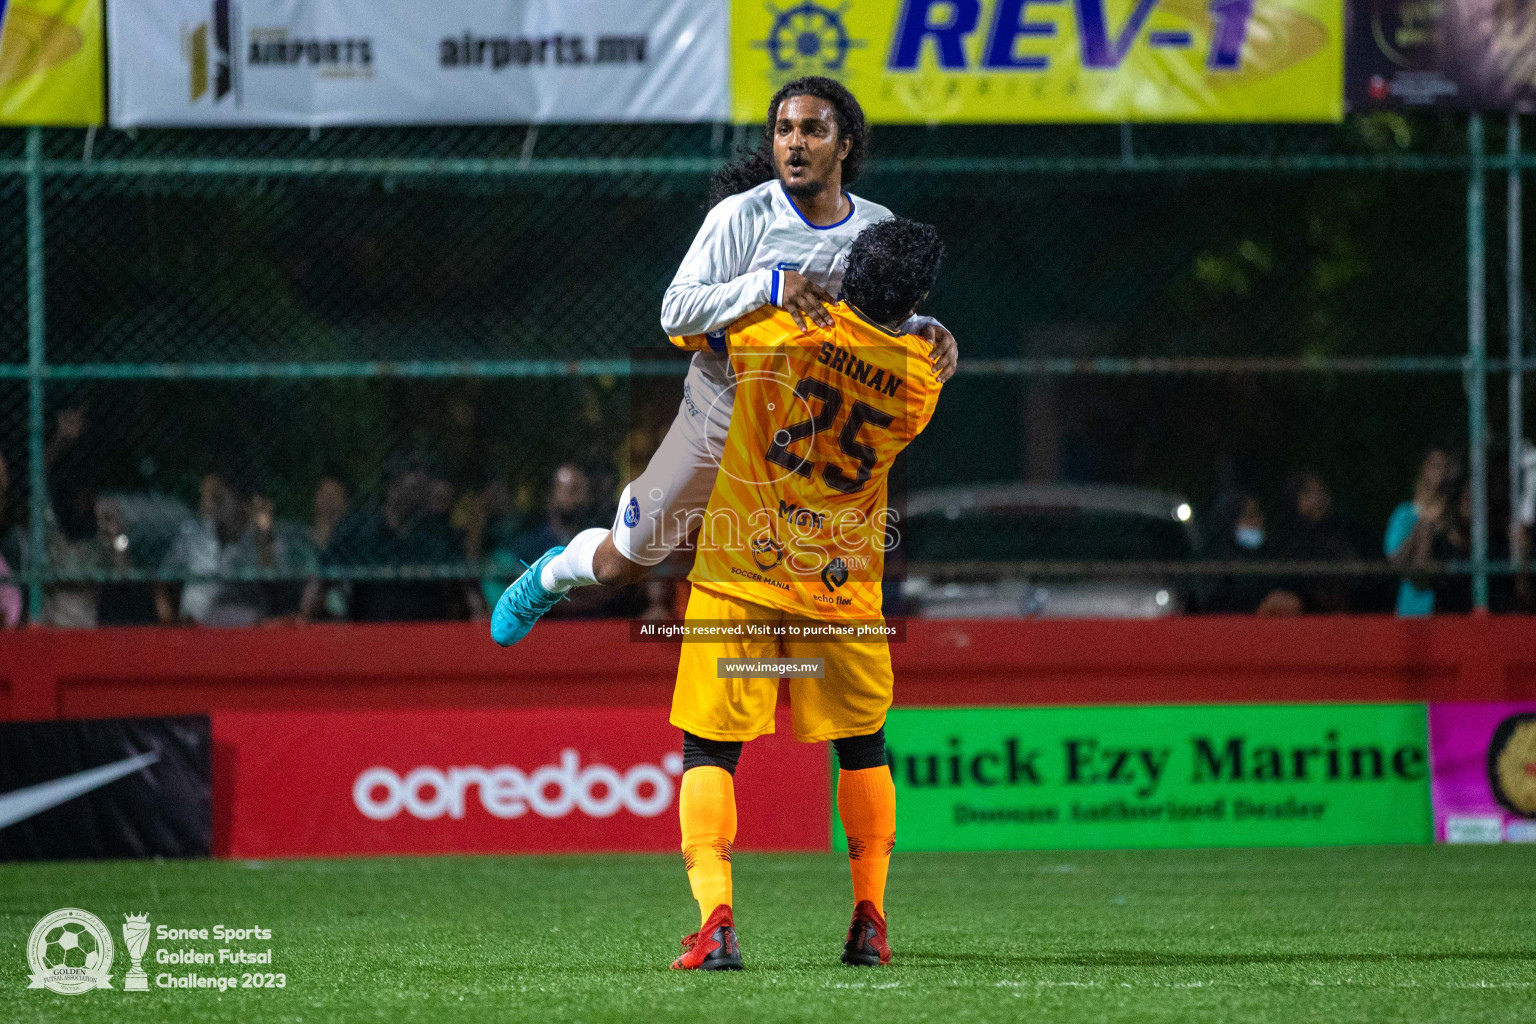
136,937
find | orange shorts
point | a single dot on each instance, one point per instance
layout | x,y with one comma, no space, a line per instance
850,700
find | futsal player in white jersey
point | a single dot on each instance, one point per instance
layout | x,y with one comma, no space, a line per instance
778,234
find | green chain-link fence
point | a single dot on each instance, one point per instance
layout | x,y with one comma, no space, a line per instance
437,319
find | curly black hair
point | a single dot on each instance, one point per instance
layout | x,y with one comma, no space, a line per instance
891,267
756,167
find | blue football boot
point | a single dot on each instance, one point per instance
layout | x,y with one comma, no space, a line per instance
523,603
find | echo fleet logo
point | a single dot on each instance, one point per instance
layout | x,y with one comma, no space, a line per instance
808,39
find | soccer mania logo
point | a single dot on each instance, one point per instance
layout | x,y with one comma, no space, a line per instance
1512,765
215,73
70,951
808,39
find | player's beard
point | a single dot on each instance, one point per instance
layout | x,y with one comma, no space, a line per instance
808,189
804,189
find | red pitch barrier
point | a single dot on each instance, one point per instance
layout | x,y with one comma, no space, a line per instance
162,671
334,740
523,780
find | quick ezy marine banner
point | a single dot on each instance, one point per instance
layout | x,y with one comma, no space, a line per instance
988,61
1139,777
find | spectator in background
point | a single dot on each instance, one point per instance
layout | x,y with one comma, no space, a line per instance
68,428
72,606
568,510
330,510
1522,518
81,538
326,599
10,596
235,532
464,600
73,548
1247,540
403,531
1310,532
121,602
1442,533
490,538
1429,492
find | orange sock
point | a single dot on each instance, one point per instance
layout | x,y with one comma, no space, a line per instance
866,802
707,808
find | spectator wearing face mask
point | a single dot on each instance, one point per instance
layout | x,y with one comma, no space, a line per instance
1246,541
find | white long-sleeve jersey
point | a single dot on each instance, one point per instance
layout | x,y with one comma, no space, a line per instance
737,261
735,265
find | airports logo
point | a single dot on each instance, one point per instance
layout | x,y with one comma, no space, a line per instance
215,70
206,47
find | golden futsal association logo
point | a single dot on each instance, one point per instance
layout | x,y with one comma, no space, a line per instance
70,951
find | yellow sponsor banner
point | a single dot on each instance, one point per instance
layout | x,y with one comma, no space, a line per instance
51,63
981,61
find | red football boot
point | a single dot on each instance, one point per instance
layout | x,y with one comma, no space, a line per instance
866,945
713,947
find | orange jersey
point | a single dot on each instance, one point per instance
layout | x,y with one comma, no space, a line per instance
798,517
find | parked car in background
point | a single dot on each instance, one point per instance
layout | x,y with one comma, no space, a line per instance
975,552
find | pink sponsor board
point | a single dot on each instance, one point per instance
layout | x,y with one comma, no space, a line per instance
1484,763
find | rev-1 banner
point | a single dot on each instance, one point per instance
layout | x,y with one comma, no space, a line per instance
1000,61
335,62
518,780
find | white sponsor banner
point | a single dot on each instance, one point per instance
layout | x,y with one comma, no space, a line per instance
333,62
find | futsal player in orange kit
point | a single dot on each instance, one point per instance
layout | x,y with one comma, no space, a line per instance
795,532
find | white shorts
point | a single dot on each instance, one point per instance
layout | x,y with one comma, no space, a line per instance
663,506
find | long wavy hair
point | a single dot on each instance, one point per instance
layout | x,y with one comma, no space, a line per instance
756,166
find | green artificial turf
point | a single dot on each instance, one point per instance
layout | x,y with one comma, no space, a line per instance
1362,934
